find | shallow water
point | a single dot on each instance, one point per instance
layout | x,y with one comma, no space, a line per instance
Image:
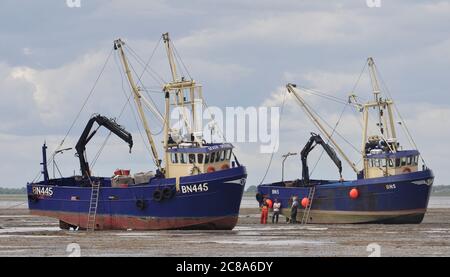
436,202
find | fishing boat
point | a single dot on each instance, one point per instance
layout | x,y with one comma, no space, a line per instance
391,187
196,185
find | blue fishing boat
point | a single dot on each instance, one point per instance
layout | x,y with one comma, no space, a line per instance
390,188
196,185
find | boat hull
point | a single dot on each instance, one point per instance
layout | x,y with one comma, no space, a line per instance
401,199
205,201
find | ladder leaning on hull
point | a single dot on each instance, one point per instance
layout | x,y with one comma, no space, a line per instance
311,193
93,206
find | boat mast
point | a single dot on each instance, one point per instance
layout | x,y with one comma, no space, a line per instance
179,86
137,98
382,105
291,89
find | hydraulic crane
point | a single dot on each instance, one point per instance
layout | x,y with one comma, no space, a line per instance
86,136
312,142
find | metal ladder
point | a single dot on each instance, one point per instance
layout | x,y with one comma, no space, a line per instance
93,206
311,193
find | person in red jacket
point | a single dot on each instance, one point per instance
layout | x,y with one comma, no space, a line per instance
264,212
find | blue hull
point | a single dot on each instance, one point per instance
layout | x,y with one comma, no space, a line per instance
395,199
205,201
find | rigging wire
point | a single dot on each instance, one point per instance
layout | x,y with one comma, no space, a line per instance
329,126
91,92
142,84
128,97
156,77
324,95
273,151
178,56
342,113
405,127
328,140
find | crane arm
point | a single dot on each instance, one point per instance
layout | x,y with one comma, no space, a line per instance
312,142
86,136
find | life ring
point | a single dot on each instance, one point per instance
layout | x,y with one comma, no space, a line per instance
167,193
211,169
157,195
406,170
225,166
141,204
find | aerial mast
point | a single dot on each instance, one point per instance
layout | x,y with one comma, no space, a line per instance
118,45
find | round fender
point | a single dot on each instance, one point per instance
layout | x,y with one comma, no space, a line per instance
141,204
167,193
157,195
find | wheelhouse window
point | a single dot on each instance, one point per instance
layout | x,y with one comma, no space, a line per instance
174,158
212,157
403,161
192,158
228,154
183,158
408,160
222,155
200,158
206,158
377,163
416,160
391,162
217,157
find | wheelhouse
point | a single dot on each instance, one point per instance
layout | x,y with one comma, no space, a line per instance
185,159
379,164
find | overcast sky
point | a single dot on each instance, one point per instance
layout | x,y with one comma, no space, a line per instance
243,52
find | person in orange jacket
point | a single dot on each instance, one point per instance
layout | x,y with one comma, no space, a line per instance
264,212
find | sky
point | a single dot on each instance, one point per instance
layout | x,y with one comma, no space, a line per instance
243,53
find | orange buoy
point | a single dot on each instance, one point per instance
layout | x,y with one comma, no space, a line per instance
225,166
354,193
211,169
269,203
305,202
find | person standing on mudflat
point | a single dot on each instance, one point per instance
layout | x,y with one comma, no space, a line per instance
276,211
294,209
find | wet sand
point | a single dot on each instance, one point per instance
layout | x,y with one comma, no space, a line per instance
24,235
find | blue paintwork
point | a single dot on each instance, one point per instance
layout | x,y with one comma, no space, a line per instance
223,198
207,148
411,192
398,154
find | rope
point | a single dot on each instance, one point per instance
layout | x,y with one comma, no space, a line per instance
273,151
324,95
329,126
79,112
181,60
405,127
121,112
328,140
141,62
340,117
